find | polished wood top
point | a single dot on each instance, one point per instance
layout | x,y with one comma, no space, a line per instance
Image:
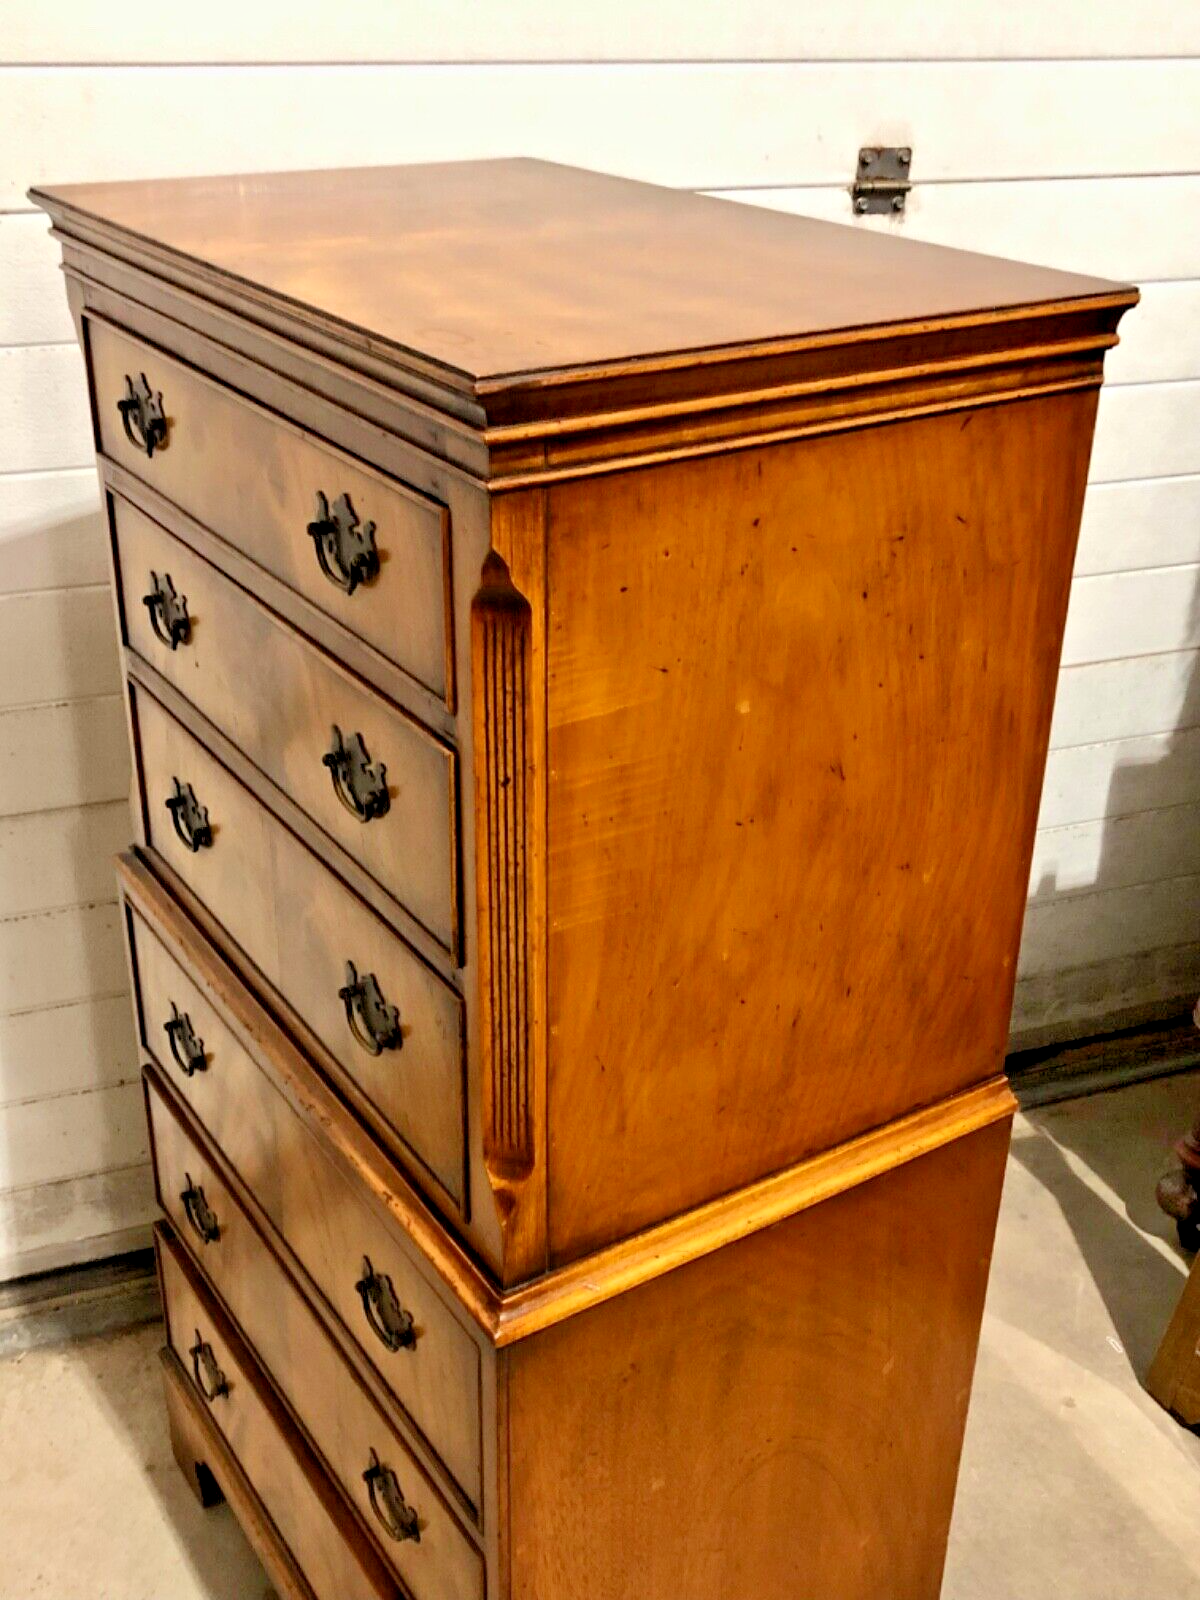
490,269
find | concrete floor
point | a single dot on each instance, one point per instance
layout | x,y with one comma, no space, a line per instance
1074,1484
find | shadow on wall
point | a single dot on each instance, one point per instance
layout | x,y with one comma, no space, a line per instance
73,1179
1122,948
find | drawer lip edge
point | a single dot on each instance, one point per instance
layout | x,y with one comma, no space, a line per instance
441,1479
168,1248
247,1505
448,1267
142,677
377,672
389,483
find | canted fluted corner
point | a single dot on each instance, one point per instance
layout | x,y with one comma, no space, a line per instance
502,628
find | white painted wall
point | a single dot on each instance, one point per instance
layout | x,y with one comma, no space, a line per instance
1062,133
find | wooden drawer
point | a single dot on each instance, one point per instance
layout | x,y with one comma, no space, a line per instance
253,479
302,928
307,1512
304,1194
279,699
346,1428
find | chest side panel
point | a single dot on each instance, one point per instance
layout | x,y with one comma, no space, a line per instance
798,703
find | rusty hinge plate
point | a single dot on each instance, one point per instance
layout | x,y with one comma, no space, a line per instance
881,183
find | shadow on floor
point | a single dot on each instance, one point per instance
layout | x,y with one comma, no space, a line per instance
1100,1159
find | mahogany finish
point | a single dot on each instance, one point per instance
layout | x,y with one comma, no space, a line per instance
593,1125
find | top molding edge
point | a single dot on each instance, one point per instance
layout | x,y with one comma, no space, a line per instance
562,423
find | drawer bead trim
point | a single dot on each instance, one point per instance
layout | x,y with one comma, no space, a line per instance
142,415
394,1515
168,611
359,783
186,1046
391,1324
345,547
189,817
210,1380
199,1213
372,1021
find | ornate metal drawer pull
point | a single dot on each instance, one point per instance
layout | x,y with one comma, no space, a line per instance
374,1023
345,547
142,415
397,1519
390,1323
187,1049
210,1380
359,783
199,1213
189,817
168,611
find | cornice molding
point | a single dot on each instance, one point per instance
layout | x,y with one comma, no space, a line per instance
543,427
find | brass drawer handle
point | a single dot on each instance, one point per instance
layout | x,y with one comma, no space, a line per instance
187,1049
390,1323
210,1380
168,611
372,1021
345,547
189,817
359,783
199,1213
142,415
397,1519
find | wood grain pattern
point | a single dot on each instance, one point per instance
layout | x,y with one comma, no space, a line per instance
297,1521
427,259
794,695
318,1387
763,535
286,728
323,1225
299,926
606,1274
782,1418
723,310
508,1315
253,478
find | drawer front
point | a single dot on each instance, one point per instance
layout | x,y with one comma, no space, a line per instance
397,1500
282,1471
305,931
254,479
338,1240
279,699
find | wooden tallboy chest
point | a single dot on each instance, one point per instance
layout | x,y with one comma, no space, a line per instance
590,652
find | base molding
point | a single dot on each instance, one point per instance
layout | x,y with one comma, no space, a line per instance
79,1302
1112,1060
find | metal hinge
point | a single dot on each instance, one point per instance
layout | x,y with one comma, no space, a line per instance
881,182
